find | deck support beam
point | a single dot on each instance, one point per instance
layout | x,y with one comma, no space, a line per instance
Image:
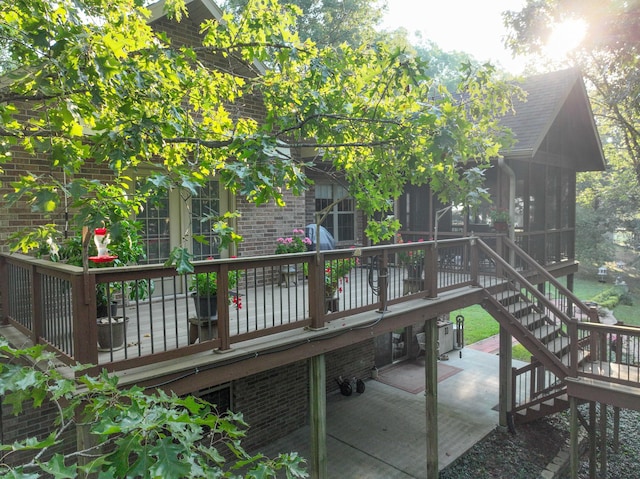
318,419
603,440
431,393
506,393
593,440
574,452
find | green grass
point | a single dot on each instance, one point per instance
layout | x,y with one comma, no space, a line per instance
521,353
479,325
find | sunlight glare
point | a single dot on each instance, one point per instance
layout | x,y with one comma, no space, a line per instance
565,37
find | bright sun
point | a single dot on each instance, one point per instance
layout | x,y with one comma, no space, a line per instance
564,37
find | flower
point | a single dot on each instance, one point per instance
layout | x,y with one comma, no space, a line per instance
335,273
410,257
500,215
297,243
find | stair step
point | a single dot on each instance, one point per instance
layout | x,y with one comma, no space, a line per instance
505,297
519,309
558,345
531,319
566,358
546,331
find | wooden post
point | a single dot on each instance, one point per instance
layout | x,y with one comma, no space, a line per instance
506,398
574,452
383,282
316,291
431,393
431,271
593,443
318,419
603,440
223,308
474,261
85,328
37,326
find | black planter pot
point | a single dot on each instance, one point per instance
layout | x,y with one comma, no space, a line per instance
206,306
103,312
414,271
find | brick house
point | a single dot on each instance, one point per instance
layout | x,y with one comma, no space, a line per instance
535,181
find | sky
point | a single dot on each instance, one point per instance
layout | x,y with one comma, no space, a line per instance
472,26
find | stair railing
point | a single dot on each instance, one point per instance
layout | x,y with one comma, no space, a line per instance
556,318
533,385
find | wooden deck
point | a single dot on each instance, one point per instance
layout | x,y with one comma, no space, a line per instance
277,305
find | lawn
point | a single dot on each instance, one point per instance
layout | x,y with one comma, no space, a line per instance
478,324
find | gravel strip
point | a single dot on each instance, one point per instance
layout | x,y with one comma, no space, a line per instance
525,454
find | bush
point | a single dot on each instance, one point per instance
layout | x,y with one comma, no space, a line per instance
610,298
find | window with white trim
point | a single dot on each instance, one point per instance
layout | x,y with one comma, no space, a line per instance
165,219
341,220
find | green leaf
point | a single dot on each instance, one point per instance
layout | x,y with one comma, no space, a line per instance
181,259
168,462
57,468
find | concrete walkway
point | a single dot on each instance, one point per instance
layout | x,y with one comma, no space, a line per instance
381,433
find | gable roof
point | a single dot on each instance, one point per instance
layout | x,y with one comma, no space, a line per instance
557,104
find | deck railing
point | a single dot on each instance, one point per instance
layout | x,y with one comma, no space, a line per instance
55,304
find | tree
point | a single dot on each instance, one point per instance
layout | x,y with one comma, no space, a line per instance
608,57
135,433
108,90
331,22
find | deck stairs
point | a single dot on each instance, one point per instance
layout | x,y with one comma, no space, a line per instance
540,324
550,346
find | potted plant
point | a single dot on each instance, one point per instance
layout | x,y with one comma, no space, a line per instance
412,260
500,219
296,243
204,288
335,274
125,247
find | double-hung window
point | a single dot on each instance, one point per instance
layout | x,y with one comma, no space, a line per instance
340,220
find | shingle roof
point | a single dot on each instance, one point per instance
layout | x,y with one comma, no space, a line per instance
556,100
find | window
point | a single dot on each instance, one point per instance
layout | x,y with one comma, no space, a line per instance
205,205
165,219
341,218
156,231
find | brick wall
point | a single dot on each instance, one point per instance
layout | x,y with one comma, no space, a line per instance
276,402
353,361
260,226
29,423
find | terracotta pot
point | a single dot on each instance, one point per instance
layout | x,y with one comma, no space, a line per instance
501,226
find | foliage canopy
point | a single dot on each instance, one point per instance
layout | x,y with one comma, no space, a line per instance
102,87
135,433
